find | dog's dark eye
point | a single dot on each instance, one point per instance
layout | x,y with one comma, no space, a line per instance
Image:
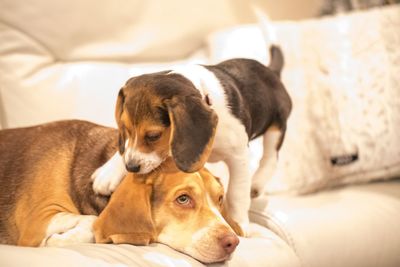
184,200
152,136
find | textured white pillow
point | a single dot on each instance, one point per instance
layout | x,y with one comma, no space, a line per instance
343,74
345,125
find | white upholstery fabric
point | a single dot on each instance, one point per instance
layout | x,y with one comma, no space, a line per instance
338,109
267,252
355,226
68,59
118,31
57,58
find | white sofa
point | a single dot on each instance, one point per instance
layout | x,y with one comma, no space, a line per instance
68,59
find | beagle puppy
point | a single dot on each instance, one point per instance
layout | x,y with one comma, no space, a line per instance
202,113
46,196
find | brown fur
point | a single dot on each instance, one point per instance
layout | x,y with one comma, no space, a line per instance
46,169
169,105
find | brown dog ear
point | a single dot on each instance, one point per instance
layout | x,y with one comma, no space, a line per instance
127,216
193,126
119,108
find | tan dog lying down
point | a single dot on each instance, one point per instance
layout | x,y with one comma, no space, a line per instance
45,186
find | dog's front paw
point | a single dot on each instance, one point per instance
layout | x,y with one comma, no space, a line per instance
256,190
258,184
246,230
103,182
107,177
81,232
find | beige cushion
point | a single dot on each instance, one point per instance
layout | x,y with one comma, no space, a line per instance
353,226
270,251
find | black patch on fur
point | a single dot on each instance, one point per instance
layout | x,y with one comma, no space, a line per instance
163,117
255,94
194,125
118,113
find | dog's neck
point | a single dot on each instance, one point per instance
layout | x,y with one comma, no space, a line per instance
203,80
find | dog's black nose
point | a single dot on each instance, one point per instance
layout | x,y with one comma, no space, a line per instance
133,167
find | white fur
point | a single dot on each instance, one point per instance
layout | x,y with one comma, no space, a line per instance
216,211
230,143
147,161
68,228
203,243
268,161
107,177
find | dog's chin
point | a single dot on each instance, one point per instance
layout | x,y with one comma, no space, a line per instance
147,168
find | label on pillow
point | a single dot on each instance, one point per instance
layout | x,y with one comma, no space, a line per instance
344,159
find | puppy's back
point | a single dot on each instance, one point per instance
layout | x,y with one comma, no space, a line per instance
254,92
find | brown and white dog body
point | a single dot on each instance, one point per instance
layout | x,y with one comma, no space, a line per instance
199,113
45,188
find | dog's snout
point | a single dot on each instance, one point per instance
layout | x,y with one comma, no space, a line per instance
133,166
229,242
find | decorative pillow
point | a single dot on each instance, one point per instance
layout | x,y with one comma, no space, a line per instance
342,73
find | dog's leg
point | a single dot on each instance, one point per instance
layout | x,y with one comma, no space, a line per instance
68,228
108,177
238,191
272,141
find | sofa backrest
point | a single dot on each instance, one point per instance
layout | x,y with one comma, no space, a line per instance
67,59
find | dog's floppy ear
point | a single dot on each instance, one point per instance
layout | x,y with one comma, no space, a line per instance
127,217
119,107
193,126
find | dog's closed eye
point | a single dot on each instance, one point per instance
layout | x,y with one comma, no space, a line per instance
152,136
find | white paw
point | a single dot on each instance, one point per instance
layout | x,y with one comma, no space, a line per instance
104,181
108,177
257,189
82,232
245,228
260,179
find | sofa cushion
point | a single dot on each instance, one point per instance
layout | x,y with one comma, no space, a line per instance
260,252
349,226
